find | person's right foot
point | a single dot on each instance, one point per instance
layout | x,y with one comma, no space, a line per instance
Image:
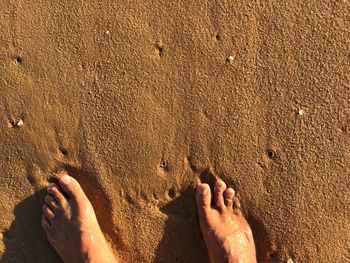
71,225
226,233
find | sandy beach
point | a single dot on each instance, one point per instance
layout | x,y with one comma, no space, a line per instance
141,100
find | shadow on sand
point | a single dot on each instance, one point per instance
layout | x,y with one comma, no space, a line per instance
262,242
183,233
182,240
25,240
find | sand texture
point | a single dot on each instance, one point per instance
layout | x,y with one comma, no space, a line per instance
139,100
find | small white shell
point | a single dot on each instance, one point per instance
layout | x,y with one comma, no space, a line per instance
230,58
108,32
290,260
301,112
19,123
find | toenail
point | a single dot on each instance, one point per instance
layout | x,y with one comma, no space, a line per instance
220,182
230,192
203,191
65,179
50,185
220,187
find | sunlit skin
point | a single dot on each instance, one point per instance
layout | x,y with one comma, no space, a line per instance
71,226
72,229
227,234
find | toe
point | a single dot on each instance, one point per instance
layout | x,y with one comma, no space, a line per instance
71,187
229,194
219,189
45,223
47,211
203,198
56,193
236,203
51,202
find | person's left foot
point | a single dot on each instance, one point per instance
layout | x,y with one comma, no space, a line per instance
226,233
71,225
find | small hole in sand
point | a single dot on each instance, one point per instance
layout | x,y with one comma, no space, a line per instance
160,48
164,165
172,193
129,199
19,60
218,37
64,151
16,123
271,154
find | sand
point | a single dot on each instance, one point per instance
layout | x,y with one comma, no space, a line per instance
139,100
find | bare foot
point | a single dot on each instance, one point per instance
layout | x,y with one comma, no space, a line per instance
71,225
226,233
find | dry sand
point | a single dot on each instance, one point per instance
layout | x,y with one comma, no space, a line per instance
140,99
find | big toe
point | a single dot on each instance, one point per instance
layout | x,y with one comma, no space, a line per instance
203,198
71,187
